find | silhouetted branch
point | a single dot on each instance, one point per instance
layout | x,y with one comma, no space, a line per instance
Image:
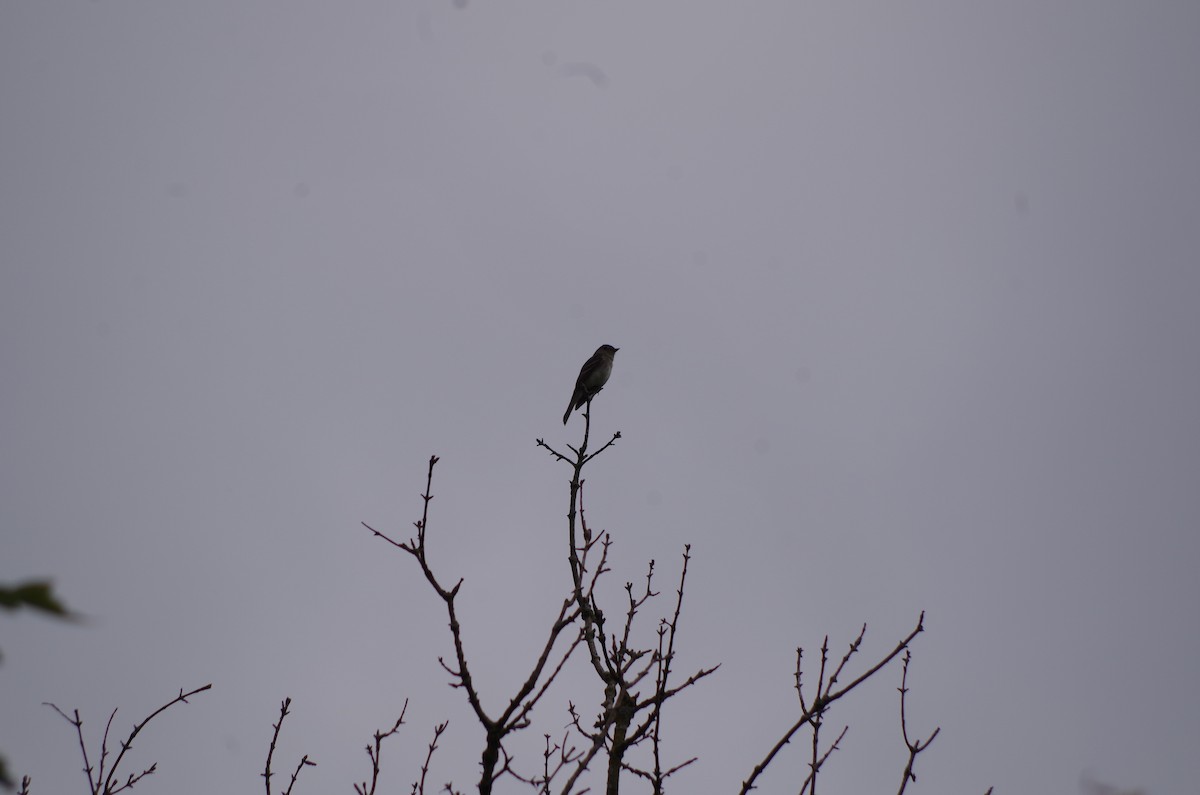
523,716
810,782
662,691
918,746
597,742
495,761
419,785
825,693
373,753
417,548
627,715
618,664
106,783
562,754
77,722
304,760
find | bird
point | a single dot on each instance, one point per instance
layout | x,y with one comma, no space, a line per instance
592,378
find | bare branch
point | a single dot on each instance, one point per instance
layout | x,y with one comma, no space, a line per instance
597,742
607,445
557,455
810,782
107,783
283,712
373,753
104,747
419,786
516,714
854,646
77,722
417,548
304,762
521,719
284,708
918,746
821,702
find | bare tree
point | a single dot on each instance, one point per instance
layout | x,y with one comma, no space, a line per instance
621,666
635,679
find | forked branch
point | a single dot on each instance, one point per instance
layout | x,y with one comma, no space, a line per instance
495,761
826,695
284,711
105,780
914,746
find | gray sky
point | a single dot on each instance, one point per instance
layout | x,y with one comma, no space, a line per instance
906,296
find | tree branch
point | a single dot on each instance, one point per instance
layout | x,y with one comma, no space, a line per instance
823,700
106,783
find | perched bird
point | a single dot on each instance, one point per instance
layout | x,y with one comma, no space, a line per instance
592,378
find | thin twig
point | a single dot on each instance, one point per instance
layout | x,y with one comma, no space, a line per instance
919,745
812,776
374,753
823,701
283,712
495,761
419,786
105,783
78,724
304,760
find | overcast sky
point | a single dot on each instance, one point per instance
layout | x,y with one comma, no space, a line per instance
907,301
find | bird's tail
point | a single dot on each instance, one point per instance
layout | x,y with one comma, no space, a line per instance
574,404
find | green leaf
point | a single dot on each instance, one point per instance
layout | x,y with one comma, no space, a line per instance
36,594
5,779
